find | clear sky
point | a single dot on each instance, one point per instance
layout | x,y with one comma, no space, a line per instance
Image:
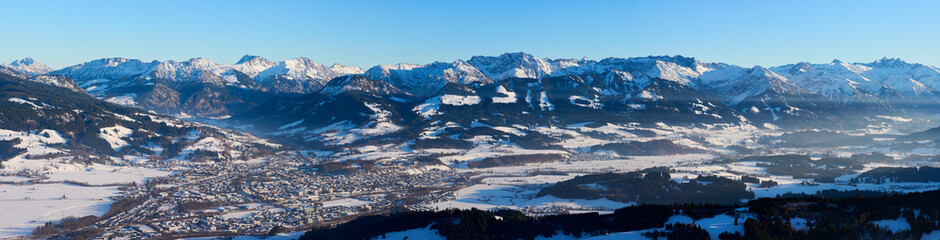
367,33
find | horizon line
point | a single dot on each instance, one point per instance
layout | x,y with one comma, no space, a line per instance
835,60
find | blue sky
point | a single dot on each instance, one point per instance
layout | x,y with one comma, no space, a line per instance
367,33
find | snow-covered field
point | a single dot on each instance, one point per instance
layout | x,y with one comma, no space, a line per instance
458,100
32,202
608,164
512,187
894,225
25,207
345,202
107,174
509,98
519,193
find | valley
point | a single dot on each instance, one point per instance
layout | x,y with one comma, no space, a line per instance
123,148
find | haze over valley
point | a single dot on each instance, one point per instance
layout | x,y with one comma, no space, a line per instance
467,120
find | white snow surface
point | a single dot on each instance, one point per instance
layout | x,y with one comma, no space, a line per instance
836,80
29,66
26,207
457,100
114,135
429,108
510,192
127,99
427,79
544,103
509,98
345,202
100,75
893,225
418,233
21,101
97,174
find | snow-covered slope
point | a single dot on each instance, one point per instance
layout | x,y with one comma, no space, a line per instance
879,82
54,80
301,75
427,79
512,65
59,126
733,84
108,70
252,65
202,87
882,80
910,80
361,85
58,81
199,86
30,66
346,110
422,80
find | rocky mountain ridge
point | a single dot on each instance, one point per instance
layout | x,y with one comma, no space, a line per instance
46,126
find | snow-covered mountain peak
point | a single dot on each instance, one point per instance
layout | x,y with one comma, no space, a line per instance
346,69
887,78
855,68
513,56
839,81
194,69
735,84
762,72
298,75
679,60
800,68
360,84
108,68
114,62
202,63
509,65
23,62
886,62
399,66
678,69
296,68
462,63
252,65
252,59
30,66
305,69
424,80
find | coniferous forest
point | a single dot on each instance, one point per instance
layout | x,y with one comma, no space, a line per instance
799,217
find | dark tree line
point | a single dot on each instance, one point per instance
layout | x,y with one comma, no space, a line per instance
514,160
651,186
509,224
899,174
770,218
648,148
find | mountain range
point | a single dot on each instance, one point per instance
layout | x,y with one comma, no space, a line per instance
309,102
882,80
65,125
